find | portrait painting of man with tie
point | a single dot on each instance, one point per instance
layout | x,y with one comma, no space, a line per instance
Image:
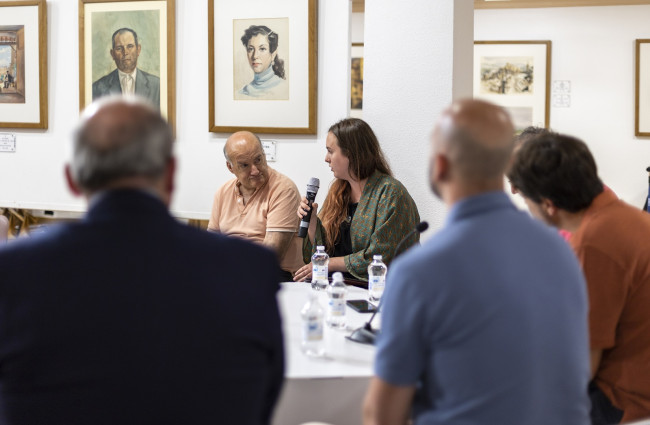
127,49
128,78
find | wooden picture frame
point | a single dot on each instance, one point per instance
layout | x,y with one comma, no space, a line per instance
517,76
23,64
275,91
356,80
642,89
152,22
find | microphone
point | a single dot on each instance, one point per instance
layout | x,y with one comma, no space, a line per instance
312,190
366,334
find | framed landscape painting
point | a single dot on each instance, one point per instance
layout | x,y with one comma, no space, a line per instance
127,47
23,64
262,66
515,75
642,92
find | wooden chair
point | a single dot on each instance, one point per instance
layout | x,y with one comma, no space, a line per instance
4,229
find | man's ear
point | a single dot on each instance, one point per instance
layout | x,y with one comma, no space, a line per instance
229,167
441,167
548,207
72,185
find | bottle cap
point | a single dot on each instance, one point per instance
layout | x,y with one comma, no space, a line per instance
338,276
376,257
320,248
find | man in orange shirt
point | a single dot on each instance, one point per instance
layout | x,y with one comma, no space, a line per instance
557,176
259,203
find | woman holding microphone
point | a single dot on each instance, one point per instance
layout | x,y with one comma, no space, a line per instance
366,211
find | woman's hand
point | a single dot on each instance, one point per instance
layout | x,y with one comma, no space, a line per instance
302,273
303,209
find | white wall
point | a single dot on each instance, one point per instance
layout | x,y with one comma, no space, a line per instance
32,177
593,47
356,27
415,63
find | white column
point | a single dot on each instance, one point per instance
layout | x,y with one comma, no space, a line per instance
417,58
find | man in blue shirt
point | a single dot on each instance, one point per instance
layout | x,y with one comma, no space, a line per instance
486,323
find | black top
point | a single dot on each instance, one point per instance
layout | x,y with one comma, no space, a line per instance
343,245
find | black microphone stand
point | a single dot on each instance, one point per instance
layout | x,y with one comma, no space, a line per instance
366,334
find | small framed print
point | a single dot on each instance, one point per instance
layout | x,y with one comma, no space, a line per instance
23,64
642,90
515,75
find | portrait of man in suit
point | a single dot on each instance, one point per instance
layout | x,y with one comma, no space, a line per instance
127,78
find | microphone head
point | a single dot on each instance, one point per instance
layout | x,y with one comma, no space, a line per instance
313,185
422,226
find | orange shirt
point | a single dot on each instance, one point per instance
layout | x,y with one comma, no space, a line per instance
613,246
272,208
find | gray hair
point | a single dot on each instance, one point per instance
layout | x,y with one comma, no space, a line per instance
137,147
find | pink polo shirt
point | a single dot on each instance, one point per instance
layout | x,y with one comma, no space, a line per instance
272,208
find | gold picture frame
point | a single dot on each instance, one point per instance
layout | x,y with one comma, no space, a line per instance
356,80
152,23
23,65
642,89
517,76
278,95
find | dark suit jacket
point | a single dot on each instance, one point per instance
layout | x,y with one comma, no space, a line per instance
130,317
146,86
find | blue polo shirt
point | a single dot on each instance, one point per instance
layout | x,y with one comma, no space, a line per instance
488,319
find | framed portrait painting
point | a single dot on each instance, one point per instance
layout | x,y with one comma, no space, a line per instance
23,64
262,66
127,47
515,75
642,91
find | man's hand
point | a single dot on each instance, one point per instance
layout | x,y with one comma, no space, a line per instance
302,273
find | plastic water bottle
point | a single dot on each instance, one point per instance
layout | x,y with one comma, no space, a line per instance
319,263
376,278
312,327
336,309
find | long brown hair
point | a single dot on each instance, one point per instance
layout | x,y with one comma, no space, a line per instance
359,144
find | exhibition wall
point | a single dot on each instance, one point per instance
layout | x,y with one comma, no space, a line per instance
32,177
593,48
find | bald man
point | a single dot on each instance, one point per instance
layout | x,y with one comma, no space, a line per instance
486,323
123,318
259,204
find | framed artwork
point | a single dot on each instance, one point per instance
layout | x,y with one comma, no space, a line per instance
127,47
262,66
356,80
23,64
642,91
515,75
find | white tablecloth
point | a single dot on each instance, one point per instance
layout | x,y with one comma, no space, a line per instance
328,389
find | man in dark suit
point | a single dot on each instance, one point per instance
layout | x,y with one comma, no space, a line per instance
129,317
128,78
